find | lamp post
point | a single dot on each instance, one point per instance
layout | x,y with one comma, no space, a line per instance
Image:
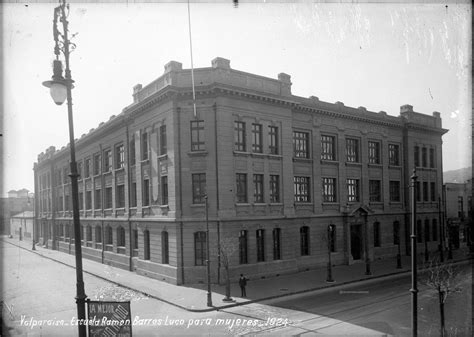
441,246
34,222
60,89
366,245
413,290
209,295
331,228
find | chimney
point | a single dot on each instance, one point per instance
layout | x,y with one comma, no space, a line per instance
173,66
220,62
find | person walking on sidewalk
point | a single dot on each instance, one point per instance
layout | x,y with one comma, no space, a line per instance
242,284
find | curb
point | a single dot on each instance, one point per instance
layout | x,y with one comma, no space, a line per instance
217,308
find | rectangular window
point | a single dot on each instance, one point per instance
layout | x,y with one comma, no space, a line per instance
276,244
145,147
81,201
396,233
132,151
460,207
260,245
301,189
200,248
107,160
353,190
163,143
135,242
241,180
394,154
328,147
239,136
273,139
433,191
88,199
119,156
435,230
96,164
301,144
146,192
79,170
427,230
304,240
332,239
257,138
108,197
164,190
374,152
199,188
394,191
243,247
424,157
425,191
418,191
133,195
120,196
352,150
87,168
66,174
165,259
146,245
98,199
60,203
274,188
329,190
432,158
258,188
376,234
197,136
416,155
375,191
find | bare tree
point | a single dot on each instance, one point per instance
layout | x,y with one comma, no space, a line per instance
442,278
227,248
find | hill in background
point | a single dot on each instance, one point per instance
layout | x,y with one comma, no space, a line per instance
457,176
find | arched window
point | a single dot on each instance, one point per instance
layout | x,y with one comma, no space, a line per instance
200,248
164,248
304,240
146,245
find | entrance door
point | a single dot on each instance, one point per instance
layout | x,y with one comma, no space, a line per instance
356,241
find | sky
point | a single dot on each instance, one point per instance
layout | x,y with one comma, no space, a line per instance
376,55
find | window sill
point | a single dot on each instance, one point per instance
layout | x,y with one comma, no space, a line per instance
327,161
302,160
162,156
394,166
274,156
197,205
144,161
200,153
259,204
258,154
276,204
241,204
301,203
118,169
374,165
165,207
352,163
331,203
241,153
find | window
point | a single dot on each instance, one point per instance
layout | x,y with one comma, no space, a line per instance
260,245
328,147
67,202
165,259
301,144
197,136
416,154
243,247
374,191
258,188
163,144
119,156
199,188
145,148
394,154
274,188
88,200
432,158
433,191
109,239
435,230
304,240
417,191
135,242
329,190
146,192
89,233
419,232
81,200
241,180
67,234
108,197
273,139
133,195
301,189
66,175
239,136
96,164
427,230
199,248
60,203
424,159
146,245
396,233
98,234
107,160
79,170
164,190
332,239
460,207
374,152
87,168
276,244
82,235
132,151
352,150
120,196
353,190
98,199
376,234
425,191
257,138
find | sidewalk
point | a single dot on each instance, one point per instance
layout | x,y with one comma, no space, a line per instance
194,297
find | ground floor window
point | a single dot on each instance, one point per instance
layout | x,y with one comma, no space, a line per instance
277,244
304,240
243,247
200,248
260,245
146,245
164,248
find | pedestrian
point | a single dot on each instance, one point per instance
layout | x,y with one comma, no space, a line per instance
242,284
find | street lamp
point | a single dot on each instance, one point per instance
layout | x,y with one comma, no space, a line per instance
441,245
209,295
331,228
60,89
34,221
413,290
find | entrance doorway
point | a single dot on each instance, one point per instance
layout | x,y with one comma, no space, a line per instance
356,241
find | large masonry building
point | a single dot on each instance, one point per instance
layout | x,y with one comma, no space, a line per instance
277,170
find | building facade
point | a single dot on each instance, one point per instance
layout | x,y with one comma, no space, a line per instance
459,213
276,169
16,202
21,226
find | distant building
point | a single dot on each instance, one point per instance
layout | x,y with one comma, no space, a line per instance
21,225
17,202
459,212
277,169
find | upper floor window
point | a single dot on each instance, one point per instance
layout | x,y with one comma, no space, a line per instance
424,157
375,191
119,156
329,190
425,191
197,135
394,154
301,144
374,152
133,194
432,158
107,160
258,188
88,199
145,147
273,139
87,168
79,170
274,188
418,191
353,194
416,156
241,182
239,136
328,147
132,151
120,196
96,164
302,189
199,188
164,190
146,192
394,190
257,138
108,197
433,191
352,150
163,143
97,199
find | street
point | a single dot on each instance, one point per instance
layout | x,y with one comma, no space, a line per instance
36,289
